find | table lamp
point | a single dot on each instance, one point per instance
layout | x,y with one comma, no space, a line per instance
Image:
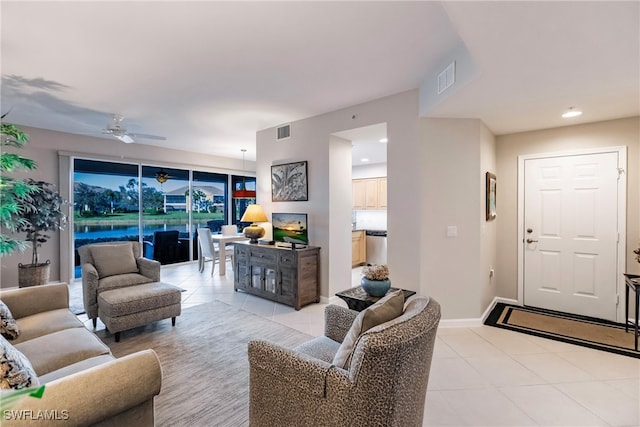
253,214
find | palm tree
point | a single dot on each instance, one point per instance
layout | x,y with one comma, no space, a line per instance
13,192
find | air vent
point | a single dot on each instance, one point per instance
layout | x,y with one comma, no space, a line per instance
284,132
447,78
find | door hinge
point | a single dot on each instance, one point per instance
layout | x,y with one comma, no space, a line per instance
620,172
617,300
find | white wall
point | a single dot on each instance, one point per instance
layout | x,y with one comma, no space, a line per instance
375,170
611,133
453,151
44,146
488,229
310,140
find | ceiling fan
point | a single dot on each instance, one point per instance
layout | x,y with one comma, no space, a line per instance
115,128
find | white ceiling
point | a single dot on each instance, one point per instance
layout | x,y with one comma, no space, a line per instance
208,75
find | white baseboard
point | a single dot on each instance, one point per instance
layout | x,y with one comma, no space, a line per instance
472,322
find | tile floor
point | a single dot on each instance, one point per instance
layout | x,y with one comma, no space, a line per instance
481,376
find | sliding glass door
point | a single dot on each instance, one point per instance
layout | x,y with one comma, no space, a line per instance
133,202
105,203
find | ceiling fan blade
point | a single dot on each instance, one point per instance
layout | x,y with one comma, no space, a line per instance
146,136
124,138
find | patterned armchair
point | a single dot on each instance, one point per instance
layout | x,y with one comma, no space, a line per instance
383,384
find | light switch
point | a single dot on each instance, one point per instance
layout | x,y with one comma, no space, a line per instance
452,231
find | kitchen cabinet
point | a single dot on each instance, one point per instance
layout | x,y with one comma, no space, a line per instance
369,193
358,194
358,248
284,275
382,193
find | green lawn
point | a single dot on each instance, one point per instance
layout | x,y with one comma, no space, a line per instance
176,217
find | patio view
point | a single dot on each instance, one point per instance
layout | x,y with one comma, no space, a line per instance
131,202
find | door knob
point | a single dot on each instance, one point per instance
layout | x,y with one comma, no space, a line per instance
531,241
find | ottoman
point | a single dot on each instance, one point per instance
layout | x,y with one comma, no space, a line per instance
125,308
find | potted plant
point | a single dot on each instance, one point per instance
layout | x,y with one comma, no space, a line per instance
375,280
42,213
13,192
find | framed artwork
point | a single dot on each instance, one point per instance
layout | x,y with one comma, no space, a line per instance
491,197
289,182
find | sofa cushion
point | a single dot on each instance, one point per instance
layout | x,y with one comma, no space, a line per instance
8,326
15,370
121,281
110,260
385,309
44,323
76,367
322,348
63,348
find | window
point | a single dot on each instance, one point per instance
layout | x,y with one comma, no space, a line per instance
130,202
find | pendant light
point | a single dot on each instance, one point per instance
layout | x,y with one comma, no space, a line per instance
243,193
162,176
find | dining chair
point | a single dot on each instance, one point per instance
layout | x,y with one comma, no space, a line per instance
206,249
229,230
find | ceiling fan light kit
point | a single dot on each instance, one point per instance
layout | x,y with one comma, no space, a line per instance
116,129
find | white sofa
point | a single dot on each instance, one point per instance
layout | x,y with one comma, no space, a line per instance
84,383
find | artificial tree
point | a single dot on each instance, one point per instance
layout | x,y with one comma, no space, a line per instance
42,213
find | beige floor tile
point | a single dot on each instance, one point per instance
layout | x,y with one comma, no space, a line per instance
548,406
607,402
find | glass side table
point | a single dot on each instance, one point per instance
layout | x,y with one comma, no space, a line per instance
357,299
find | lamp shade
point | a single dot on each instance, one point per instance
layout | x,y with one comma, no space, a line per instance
254,213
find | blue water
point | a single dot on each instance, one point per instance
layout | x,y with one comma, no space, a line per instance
118,231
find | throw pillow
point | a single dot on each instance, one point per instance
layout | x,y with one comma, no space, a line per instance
110,260
16,371
8,325
385,309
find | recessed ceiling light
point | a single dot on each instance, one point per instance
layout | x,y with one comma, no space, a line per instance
384,140
571,113
364,160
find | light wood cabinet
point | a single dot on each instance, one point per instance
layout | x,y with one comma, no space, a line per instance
382,193
369,193
358,194
358,248
287,276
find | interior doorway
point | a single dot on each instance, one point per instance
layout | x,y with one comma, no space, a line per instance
368,187
572,210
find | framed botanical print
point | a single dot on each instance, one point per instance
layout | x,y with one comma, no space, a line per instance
491,196
289,182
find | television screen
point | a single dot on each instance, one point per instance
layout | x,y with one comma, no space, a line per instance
290,228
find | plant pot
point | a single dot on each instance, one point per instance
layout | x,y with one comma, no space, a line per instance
375,288
33,274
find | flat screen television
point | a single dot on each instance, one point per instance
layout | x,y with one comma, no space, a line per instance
290,228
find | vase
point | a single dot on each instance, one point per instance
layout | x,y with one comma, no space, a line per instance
375,288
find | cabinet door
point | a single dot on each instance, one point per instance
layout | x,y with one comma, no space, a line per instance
288,291
263,278
358,254
382,193
371,193
358,193
243,275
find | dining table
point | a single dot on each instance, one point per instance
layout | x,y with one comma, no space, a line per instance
222,241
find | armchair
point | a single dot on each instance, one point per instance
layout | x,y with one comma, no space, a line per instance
384,384
167,247
113,265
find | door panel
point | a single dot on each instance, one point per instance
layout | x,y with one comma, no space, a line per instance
570,221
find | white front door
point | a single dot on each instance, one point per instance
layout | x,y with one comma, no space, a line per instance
571,233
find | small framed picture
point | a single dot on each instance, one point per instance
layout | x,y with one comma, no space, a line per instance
491,197
289,182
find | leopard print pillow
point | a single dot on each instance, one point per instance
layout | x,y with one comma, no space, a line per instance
8,325
16,371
